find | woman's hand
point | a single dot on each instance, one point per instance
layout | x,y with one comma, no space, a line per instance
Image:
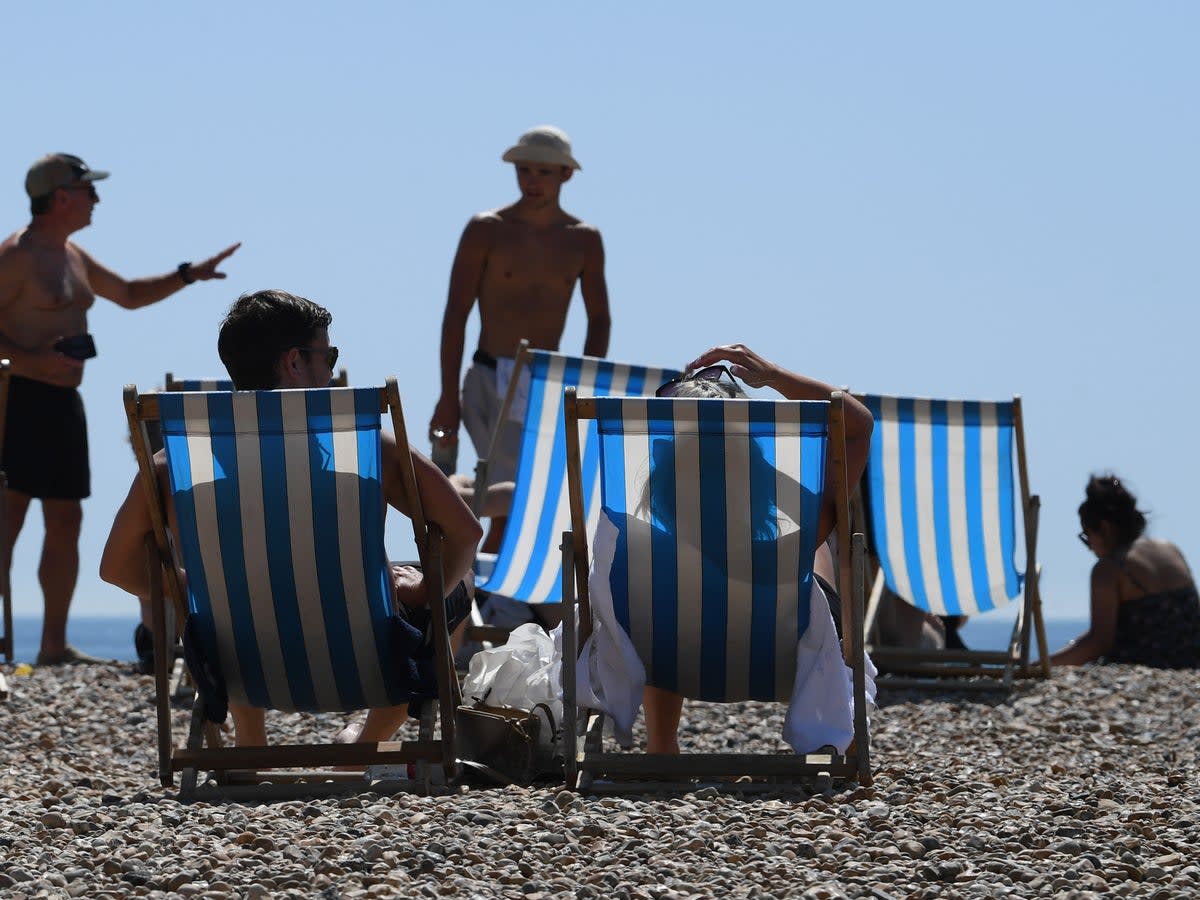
745,364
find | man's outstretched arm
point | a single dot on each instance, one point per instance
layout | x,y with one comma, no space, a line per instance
139,292
594,288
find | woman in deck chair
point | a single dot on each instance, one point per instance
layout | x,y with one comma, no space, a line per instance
1145,609
708,378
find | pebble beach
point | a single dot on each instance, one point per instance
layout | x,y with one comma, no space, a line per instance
1083,786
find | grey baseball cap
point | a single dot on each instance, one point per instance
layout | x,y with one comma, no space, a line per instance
58,170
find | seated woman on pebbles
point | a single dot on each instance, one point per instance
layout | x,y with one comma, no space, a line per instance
1145,610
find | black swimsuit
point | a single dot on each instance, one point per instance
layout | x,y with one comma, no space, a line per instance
1159,629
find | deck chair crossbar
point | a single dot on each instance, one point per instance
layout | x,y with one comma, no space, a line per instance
171,383
528,567
715,506
279,503
942,508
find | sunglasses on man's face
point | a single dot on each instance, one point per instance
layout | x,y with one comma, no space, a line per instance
331,354
709,373
85,186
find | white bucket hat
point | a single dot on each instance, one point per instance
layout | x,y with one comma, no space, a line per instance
544,144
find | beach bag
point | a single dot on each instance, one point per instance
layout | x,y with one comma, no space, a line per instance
505,746
509,727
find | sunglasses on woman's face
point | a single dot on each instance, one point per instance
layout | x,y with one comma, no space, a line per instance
1083,536
709,373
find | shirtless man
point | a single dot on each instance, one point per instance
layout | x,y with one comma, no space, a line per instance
521,262
47,285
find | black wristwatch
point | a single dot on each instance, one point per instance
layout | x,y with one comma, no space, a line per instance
185,272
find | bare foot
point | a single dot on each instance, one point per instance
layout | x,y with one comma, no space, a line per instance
348,735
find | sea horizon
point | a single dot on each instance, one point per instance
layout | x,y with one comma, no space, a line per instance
111,637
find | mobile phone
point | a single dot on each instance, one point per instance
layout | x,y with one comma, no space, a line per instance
77,346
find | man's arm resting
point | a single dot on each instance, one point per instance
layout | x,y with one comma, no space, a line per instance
441,505
124,560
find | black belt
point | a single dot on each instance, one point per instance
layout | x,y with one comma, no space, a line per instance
483,358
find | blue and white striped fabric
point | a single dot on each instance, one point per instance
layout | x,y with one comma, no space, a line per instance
716,506
529,564
942,502
280,512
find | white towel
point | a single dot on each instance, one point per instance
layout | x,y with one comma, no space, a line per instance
610,676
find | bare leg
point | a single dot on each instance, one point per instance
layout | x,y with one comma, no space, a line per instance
58,570
16,505
249,725
663,709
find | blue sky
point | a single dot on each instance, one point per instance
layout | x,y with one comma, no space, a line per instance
940,199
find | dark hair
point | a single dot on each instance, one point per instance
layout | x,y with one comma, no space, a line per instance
41,205
1109,501
261,327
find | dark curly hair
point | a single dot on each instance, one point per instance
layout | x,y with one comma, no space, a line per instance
1110,501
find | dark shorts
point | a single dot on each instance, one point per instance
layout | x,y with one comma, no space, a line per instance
45,441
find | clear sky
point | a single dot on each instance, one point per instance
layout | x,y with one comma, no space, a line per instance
940,199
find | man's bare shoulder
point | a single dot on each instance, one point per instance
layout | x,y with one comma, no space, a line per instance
490,219
16,258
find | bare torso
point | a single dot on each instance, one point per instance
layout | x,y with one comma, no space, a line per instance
44,291
529,275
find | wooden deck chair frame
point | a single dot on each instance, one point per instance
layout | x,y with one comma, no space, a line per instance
476,630
969,669
628,770
235,767
6,640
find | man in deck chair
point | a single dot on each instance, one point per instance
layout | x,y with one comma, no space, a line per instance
273,340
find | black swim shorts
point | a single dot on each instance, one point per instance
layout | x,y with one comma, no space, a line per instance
45,441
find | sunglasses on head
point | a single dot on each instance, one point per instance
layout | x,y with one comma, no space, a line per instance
331,354
708,373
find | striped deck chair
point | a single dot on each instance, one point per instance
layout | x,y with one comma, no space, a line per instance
171,383
529,564
279,502
941,504
6,640
714,605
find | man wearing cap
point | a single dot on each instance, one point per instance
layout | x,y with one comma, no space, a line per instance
521,263
47,285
